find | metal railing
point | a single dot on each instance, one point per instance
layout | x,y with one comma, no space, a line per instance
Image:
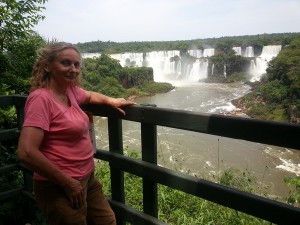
266,132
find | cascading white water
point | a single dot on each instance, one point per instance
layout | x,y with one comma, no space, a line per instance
162,66
166,69
238,50
249,52
136,58
260,64
198,71
212,69
270,51
90,55
208,52
198,53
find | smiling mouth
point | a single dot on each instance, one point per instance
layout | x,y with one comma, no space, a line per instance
71,77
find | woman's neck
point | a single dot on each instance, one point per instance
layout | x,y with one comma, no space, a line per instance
58,90
60,94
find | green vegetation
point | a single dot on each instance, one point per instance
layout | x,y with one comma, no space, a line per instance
106,75
294,193
234,63
18,43
220,44
277,97
17,19
176,207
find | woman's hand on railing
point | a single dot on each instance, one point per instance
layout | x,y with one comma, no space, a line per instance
119,103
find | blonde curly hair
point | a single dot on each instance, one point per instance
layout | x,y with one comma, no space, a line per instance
40,77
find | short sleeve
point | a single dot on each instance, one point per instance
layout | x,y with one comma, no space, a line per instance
37,111
79,94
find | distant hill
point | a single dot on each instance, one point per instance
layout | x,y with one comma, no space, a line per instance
257,41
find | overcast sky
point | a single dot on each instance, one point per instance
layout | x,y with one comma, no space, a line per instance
165,20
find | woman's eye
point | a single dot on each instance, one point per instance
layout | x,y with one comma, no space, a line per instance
66,63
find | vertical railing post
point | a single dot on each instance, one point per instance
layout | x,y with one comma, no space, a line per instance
19,102
149,154
117,175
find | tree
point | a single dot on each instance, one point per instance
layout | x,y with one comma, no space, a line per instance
286,68
17,64
18,43
17,17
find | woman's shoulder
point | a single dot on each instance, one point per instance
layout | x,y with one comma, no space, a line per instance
78,93
40,93
75,88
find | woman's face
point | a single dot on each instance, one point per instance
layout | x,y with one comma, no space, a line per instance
65,68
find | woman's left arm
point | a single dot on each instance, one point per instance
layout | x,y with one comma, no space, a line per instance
116,103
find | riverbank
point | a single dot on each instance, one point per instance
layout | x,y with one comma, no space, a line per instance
239,78
260,102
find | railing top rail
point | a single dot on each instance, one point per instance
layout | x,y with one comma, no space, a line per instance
10,100
261,131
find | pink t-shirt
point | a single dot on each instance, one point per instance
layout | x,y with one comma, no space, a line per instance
66,140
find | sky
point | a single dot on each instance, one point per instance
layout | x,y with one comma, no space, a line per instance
165,20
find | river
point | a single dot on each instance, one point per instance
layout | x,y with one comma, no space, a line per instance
208,155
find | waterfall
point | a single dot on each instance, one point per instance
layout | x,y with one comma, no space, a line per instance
270,51
259,65
90,55
198,53
178,68
166,69
168,65
136,59
238,50
198,70
208,52
212,69
249,52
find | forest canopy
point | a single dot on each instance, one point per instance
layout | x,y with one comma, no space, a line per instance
257,41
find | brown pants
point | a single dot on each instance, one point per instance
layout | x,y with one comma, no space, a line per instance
52,199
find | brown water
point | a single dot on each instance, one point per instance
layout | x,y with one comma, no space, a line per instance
208,155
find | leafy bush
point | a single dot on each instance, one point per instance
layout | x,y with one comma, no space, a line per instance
152,87
294,194
274,91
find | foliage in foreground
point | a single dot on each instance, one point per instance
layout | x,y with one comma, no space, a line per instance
176,207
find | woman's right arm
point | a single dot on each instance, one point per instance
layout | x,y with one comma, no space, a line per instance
29,153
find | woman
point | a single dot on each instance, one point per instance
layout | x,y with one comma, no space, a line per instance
55,140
